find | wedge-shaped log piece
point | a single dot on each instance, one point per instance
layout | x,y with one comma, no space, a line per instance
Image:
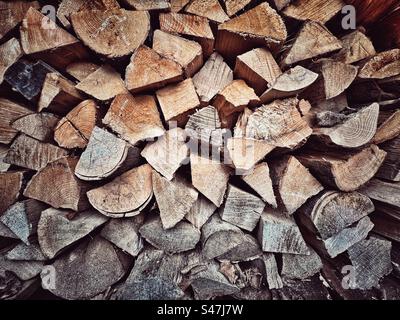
295,266
24,270
205,170
103,156
149,71
200,212
188,54
384,65
260,181
126,195
189,25
280,234
210,9
10,52
12,13
390,169
22,218
356,47
232,100
313,40
134,118
212,78
167,154
32,154
279,123
260,26
273,277
112,33
317,10
258,68
346,171
56,231
88,270
242,209
178,5
174,198
225,241
39,126
293,183
10,187
10,112
103,84
355,132
124,233
234,6
183,237
289,84
389,129
177,101
371,261
43,38
145,5
81,70
75,129
57,185
383,191
24,252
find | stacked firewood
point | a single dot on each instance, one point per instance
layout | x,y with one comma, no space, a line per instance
199,149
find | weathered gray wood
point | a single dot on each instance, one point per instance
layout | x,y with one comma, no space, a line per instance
310,289
182,237
24,270
273,278
39,126
24,252
386,192
295,266
200,212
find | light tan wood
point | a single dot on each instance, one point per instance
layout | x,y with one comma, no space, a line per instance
81,70
10,52
200,212
384,65
234,6
317,10
388,130
178,5
149,5
356,47
210,9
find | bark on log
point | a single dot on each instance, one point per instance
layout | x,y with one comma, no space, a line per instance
301,267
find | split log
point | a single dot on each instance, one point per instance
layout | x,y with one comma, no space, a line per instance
42,38
383,191
88,270
242,209
134,118
28,78
279,233
24,270
313,40
279,123
313,288
75,129
234,6
183,237
3,166
316,10
356,132
371,261
384,65
295,266
204,170
24,252
225,241
168,153
56,231
200,212
10,52
390,169
150,71
126,196
178,5
39,126
177,101
113,33
32,154
289,84
232,100
389,129
345,171
188,54
174,198
210,9
356,47
58,94
9,112
12,13
22,218
57,186
10,188
260,181
194,27
81,70
103,84
6,233
273,277
293,183
212,78
104,154
258,68
145,5
241,34
124,233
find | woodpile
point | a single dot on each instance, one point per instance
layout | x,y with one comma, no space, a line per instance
199,149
